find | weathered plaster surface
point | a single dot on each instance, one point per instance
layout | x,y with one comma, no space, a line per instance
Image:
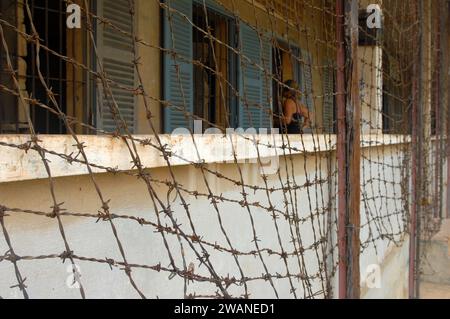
16,165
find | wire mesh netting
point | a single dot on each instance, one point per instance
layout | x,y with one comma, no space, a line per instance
190,148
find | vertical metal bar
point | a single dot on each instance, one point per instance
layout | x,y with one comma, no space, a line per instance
415,152
47,64
413,215
353,136
33,66
74,54
60,66
425,94
437,210
341,149
421,140
445,88
85,77
16,65
442,13
348,150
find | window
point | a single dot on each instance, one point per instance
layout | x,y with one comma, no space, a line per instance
190,90
283,65
212,99
78,93
396,110
291,63
48,18
9,117
68,84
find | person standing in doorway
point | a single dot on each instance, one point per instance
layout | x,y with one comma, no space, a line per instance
296,115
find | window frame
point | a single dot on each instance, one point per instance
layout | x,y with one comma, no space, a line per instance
232,61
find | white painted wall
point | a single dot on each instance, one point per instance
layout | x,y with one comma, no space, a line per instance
383,222
35,235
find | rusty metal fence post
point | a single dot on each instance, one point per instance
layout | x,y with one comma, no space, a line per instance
348,148
341,152
413,215
445,99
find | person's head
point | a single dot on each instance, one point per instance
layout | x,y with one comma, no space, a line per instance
290,89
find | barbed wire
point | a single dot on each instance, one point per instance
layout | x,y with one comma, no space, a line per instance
290,214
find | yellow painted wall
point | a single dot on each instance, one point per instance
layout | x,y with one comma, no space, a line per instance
148,29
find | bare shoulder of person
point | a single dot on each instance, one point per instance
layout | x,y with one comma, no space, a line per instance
290,104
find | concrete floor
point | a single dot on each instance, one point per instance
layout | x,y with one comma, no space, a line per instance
434,291
436,284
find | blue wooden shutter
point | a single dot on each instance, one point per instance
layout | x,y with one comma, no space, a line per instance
307,85
266,98
255,89
302,75
178,87
328,99
116,54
